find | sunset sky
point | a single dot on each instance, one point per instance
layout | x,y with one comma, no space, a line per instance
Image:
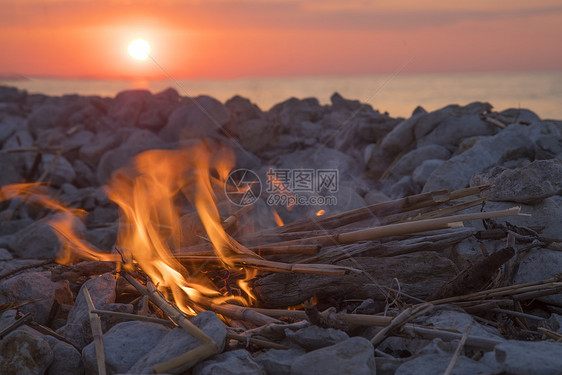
267,38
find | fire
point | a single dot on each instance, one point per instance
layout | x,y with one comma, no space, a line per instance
320,213
277,218
150,230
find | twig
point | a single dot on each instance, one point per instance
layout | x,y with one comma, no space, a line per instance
410,227
382,321
21,321
208,346
258,342
405,316
269,265
134,317
232,219
553,335
97,333
29,266
202,351
453,361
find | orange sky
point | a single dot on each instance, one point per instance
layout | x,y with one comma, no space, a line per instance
229,38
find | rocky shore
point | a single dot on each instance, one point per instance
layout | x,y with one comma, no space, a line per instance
73,144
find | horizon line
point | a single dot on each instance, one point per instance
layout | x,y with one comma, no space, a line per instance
128,78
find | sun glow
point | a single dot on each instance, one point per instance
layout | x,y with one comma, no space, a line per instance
139,49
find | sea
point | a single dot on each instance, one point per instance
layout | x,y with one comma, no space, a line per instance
398,95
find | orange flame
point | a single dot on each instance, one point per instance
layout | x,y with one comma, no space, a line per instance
277,218
320,213
150,227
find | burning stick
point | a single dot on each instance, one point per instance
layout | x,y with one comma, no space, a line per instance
232,219
208,347
97,333
268,265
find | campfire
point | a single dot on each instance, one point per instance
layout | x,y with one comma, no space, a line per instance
214,261
243,275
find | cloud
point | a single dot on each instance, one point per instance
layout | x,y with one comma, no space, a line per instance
342,15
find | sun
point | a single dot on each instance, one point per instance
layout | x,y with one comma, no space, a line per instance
139,49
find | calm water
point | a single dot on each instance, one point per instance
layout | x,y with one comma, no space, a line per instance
540,92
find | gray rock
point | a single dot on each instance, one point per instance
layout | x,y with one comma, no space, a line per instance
517,116
401,137
199,117
256,135
92,152
548,147
10,173
139,141
90,115
127,106
353,356
314,337
530,184
410,161
450,125
437,364
66,359
238,362
77,329
5,255
157,110
39,241
546,215
538,265
11,94
339,102
293,112
124,345
20,139
8,126
29,286
108,321
524,357
178,341
13,226
241,110
43,118
278,362
85,176
512,143
553,323
405,186
449,317
59,169
78,140
103,238
424,170
22,353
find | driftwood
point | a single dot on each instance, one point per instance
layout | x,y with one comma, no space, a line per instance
475,277
418,274
81,271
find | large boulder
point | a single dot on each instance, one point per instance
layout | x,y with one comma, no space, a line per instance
514,142
198,117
